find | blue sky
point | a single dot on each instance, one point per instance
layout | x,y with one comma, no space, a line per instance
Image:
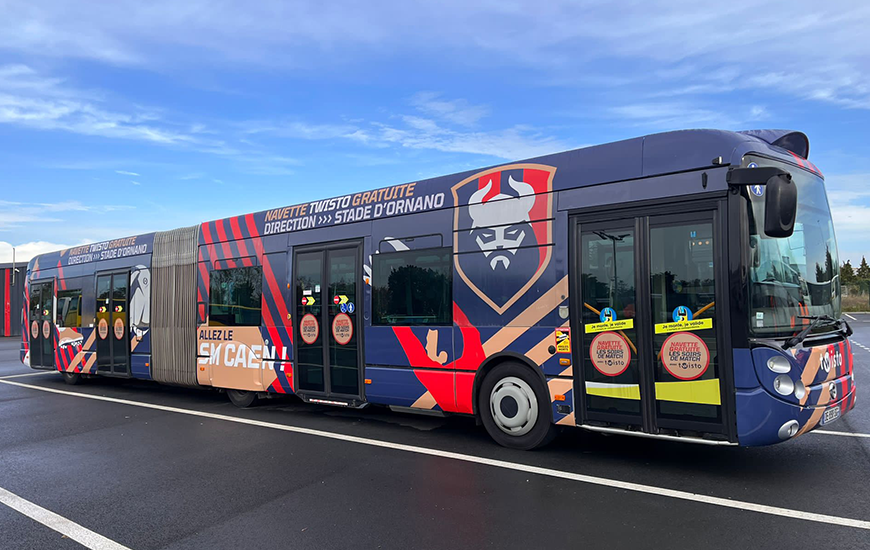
128,117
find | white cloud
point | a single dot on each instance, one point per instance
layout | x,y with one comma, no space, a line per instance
741,44
135,182
126,173
849,198
457,111
16,214
25,251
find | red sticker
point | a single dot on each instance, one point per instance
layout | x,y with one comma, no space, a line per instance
610,353
103,329
309,328
34,329
46,329
685,355
119,328
342,329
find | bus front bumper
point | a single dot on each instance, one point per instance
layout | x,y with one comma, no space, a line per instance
763,419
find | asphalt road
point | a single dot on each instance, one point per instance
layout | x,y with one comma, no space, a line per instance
199,473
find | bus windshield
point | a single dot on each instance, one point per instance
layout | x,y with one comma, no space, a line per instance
795,276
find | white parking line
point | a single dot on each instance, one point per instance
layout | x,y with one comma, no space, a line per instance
71,529
860,345
571,476
28,374
849,316
830,432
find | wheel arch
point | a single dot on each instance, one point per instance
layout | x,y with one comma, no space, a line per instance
494,361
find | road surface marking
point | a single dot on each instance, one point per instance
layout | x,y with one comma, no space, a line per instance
831,432
582,478
860,345
850,317
71,529
28,374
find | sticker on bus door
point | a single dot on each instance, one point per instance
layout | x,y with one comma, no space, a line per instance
309,328
610,353
685,355
342,329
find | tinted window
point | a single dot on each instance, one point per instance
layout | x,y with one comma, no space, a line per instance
69,308
413,287
235,296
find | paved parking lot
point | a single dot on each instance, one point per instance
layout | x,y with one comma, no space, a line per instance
131,464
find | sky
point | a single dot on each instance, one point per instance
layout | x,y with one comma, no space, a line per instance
125,117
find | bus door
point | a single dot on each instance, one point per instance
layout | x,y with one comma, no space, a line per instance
42,324
113,334
328,328
648,342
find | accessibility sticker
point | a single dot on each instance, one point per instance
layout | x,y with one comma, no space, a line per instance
694,324
624,324
563,340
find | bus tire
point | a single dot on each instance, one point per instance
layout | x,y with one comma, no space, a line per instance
242,399
72,378
515,407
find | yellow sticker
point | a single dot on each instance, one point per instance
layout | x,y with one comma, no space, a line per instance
563,341
694,324
624,324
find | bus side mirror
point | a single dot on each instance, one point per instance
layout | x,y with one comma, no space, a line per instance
780,201
780,206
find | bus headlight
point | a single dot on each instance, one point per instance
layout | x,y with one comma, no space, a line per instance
783,385
789,429
800,390
779,364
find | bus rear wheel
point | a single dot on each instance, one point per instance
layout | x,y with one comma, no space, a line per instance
242,399
515,408
72,378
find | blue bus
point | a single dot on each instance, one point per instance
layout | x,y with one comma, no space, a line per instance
681,286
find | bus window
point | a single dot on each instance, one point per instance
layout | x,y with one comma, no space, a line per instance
413,287
69,308
235,296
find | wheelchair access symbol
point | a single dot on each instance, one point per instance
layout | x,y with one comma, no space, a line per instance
682,314
607,315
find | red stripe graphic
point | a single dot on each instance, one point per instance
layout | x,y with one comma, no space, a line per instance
222,235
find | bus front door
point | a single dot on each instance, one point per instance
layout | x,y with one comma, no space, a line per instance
328,303
647,352
113,334
41,327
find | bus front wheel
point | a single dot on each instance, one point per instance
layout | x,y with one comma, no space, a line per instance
515,407
242,399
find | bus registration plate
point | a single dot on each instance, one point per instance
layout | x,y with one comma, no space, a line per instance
830,415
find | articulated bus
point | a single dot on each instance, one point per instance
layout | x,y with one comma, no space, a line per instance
681,286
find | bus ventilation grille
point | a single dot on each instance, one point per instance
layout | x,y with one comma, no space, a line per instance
173,317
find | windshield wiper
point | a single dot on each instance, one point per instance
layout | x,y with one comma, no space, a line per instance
817,321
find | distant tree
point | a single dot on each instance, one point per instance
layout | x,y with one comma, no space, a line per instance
847,273
863,269
820,274
829,265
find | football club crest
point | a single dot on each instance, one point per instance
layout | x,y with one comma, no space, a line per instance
504,215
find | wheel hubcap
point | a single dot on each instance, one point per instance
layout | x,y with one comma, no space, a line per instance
514,406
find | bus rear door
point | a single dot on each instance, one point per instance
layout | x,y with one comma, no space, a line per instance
327,322
113,334
41,327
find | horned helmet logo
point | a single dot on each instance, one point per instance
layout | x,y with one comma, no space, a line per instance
501,230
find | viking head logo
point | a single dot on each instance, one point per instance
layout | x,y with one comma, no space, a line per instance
502,220
500,225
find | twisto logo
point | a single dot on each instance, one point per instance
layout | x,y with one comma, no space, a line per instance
826,361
